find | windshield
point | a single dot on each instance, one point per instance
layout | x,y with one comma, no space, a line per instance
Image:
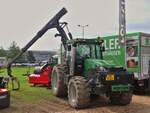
89,51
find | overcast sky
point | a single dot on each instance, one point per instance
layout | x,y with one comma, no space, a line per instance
21,19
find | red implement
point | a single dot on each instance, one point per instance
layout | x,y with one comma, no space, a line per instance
41,77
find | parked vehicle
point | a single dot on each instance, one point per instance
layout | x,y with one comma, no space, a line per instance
135,56
4,93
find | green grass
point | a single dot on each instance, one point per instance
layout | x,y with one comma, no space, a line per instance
27,93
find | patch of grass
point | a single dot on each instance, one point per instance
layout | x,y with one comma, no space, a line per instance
27,93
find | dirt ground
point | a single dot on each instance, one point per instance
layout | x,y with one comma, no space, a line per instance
139,104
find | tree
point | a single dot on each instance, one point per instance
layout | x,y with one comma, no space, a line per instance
30,56
3,52
13,50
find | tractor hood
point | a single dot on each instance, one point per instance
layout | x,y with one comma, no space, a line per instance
94,63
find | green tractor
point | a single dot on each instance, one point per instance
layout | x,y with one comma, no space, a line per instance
82,73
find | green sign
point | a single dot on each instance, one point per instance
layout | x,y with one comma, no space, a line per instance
114,51
117,54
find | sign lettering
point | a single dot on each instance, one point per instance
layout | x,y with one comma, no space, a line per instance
122,22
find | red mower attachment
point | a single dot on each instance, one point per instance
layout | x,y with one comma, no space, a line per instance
41,76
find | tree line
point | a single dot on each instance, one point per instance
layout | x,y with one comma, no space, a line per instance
13,50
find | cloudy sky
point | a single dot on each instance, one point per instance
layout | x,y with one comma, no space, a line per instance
21,19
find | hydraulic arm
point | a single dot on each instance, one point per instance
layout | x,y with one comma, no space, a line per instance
53,23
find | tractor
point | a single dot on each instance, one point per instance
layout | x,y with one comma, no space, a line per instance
81,71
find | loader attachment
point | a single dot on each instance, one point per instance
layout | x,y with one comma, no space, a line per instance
53,23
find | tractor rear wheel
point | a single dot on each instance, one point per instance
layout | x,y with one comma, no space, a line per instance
59,89
121,98
78,92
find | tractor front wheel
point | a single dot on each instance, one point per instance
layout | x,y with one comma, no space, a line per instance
78,92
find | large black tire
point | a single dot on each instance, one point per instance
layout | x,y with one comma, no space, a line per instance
121,98
78,92
59,88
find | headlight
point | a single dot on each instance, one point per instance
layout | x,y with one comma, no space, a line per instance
102,68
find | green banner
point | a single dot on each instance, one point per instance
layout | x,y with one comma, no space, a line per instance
115,53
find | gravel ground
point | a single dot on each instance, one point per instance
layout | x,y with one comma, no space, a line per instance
139,104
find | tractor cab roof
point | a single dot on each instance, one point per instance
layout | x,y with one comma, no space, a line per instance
86,41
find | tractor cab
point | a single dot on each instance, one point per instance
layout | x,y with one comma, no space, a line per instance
83,72
83,51
89,49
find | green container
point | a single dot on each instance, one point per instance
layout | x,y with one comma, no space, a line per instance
134,56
